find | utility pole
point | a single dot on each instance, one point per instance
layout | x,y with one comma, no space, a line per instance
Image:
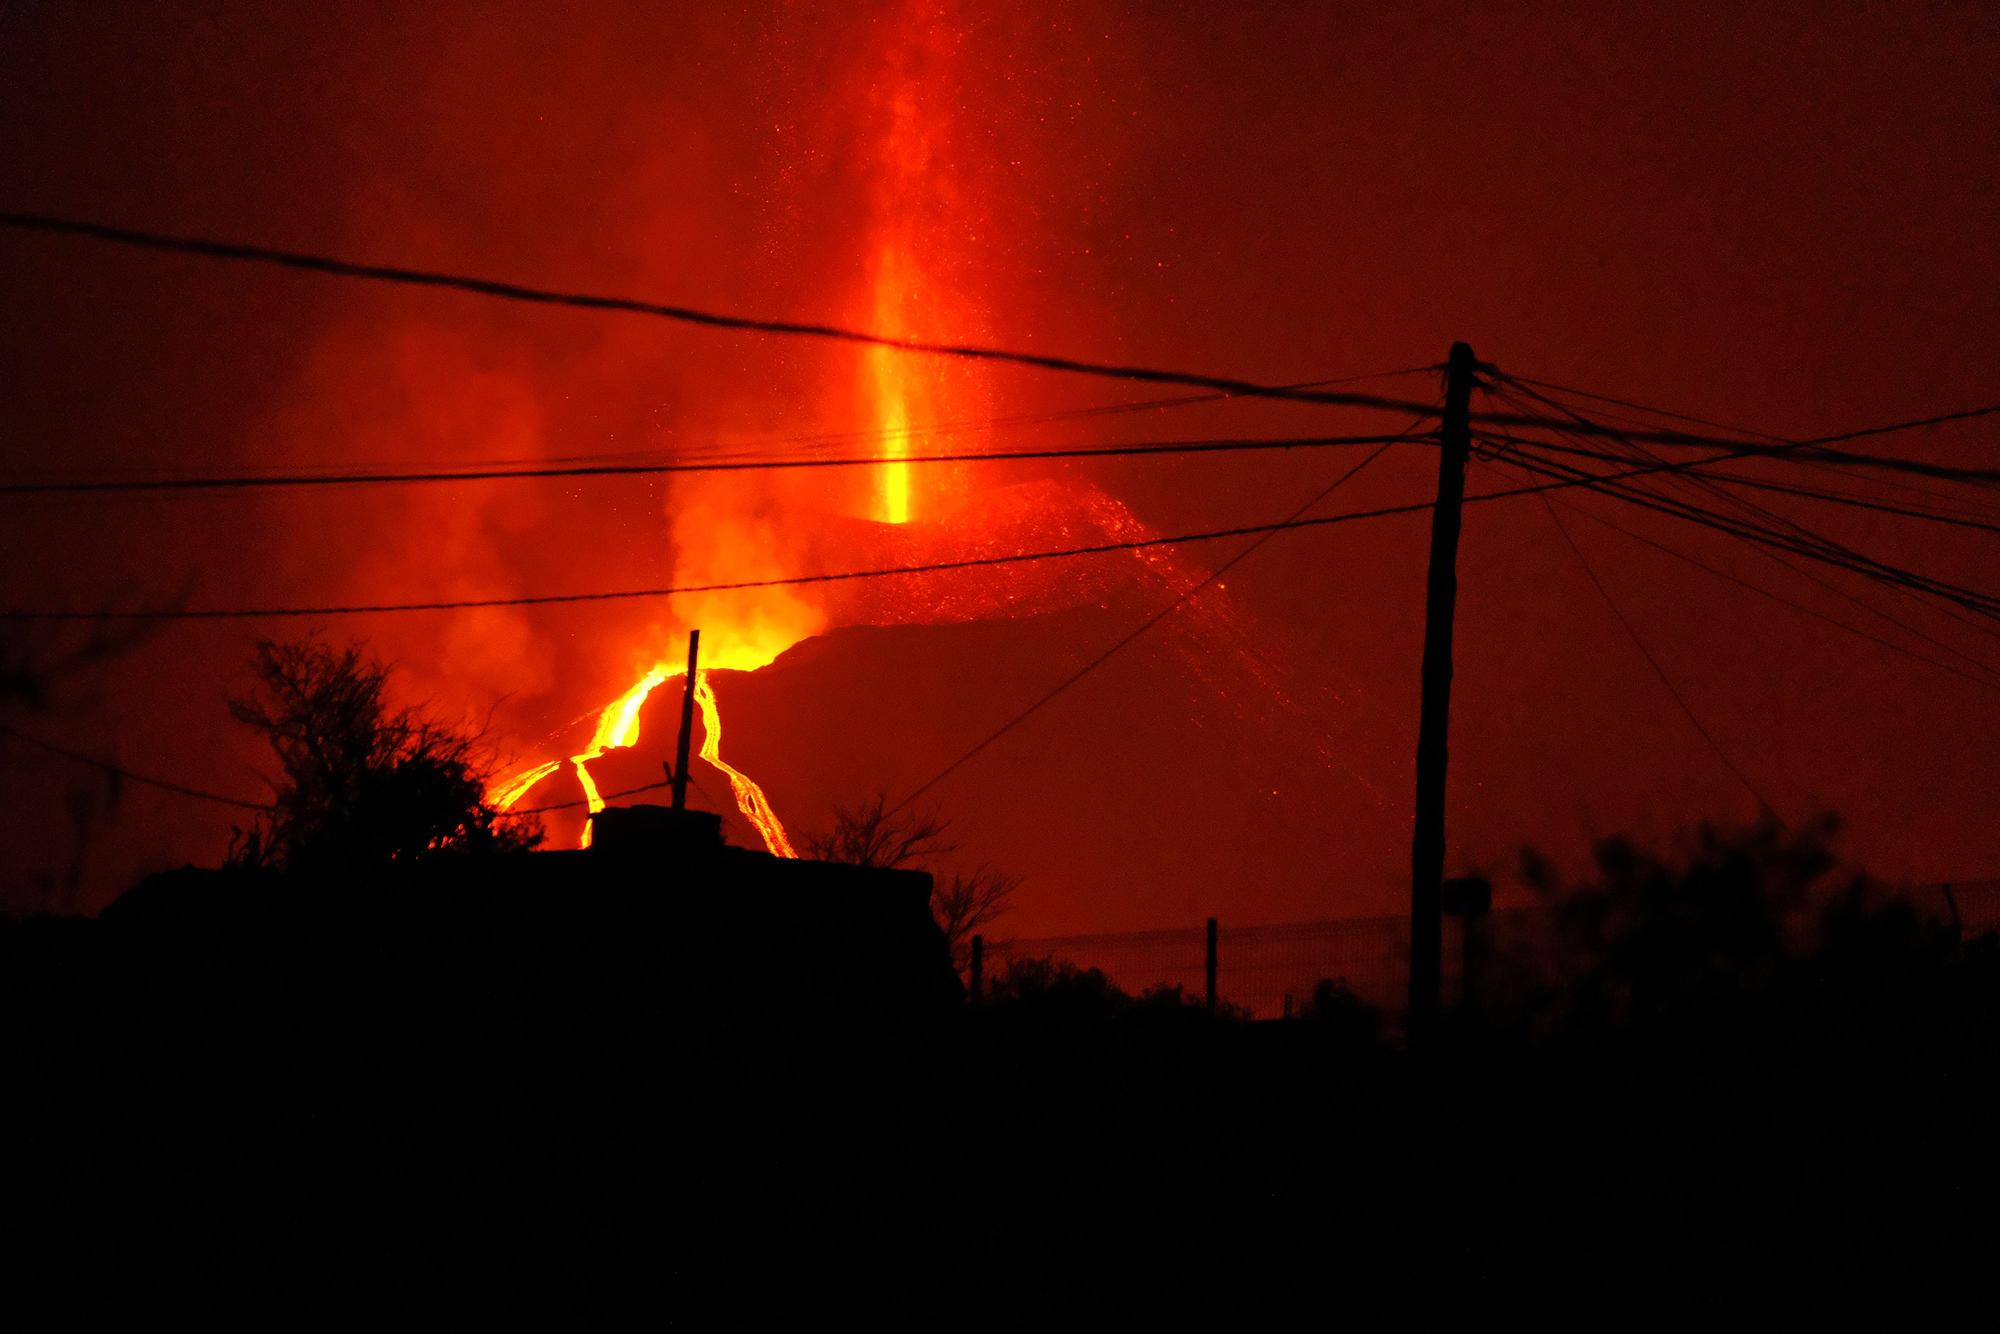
687,724
1434,722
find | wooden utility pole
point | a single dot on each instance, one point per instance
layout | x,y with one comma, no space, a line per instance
687,724
1434,722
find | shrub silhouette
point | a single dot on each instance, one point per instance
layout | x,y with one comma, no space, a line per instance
871,834
361,783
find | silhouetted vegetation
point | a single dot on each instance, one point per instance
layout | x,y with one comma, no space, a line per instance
963,902
1728,1065
1055,992
361,782
1337,1011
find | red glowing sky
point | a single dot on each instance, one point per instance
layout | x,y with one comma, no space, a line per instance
1779,215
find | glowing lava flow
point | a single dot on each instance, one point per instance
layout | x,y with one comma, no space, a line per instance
618,728
749,797
511,790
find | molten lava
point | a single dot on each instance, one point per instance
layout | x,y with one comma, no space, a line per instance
749,797
618,729
513,789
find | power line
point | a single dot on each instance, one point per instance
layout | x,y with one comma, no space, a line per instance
1815,544
1816,447
782,581
925,430
1134,634
1835,553
1982,475
1806,492
1986,672
1808,543
1712,484
1881,571
1580,426
1643,407
1563,482
1783,601
1521,381
245,481
1625,622
821,439
1782,444
1639,643
606,798
510,291
1746,448
119,771
1812,537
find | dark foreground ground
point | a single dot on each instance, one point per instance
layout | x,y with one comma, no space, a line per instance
338,1120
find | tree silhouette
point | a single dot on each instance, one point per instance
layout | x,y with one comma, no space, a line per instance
870,834
362,783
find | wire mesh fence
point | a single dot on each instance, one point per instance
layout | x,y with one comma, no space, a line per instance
1258,968
1271,970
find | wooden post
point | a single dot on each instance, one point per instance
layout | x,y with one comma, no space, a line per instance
1208,995
978,987
1434,717
687,724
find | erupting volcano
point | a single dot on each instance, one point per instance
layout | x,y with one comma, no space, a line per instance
914,207
926,220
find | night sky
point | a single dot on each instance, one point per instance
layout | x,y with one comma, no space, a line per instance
1775,215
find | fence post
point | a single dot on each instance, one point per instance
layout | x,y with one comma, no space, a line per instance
978,968
1209,994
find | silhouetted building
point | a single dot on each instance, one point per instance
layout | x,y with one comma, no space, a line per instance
494,1076
660,899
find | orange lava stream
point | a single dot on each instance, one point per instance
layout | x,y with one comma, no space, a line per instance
618,728
511,790
749,797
